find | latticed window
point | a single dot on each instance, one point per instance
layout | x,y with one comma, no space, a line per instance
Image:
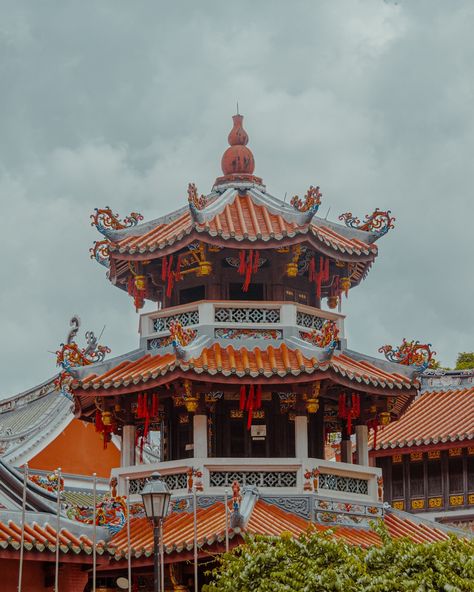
174,481
186,319
309,321
257,478
345,484
247,315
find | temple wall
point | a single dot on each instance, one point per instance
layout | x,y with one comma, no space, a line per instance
78,450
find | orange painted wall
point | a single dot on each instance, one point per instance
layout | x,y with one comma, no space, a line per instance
79,450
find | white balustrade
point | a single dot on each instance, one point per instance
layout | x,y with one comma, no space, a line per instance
237,319
339,482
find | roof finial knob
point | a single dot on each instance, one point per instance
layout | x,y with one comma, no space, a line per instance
238,159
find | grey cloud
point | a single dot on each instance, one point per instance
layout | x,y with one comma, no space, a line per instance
122,104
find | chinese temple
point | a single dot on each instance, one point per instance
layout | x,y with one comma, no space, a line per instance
241,376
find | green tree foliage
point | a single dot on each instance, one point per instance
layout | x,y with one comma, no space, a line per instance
465,361
318,562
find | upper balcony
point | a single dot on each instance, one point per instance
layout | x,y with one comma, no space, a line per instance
244,321
332,492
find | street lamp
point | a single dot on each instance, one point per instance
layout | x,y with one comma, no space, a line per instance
156,498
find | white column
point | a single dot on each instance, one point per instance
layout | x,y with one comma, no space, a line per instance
346,451
301,436
362,444
200,435
127,452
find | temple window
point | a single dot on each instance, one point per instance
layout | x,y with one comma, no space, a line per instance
193,294
254,292
455,475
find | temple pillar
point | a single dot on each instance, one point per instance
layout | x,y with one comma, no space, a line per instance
346,451
362,444
200,435
127,451
301,436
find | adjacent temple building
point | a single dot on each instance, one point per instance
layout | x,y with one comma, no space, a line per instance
240,377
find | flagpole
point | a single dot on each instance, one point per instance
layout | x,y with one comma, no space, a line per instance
195,540
58,527
94,533
129,552
162,553
226,503
23,518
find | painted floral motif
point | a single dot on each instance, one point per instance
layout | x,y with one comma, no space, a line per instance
411,353
228,333
48,482
104,219
327,338
111,512
311,202
378,222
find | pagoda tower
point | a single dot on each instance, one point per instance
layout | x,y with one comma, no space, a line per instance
239,368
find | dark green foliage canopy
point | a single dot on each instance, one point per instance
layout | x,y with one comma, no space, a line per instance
321,563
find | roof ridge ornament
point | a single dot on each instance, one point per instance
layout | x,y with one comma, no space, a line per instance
196,203
311,203
104,220
326,338
70,356
411,353
378,222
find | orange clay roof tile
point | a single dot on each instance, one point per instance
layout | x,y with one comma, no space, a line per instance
240,220
265,519
435,416
228,361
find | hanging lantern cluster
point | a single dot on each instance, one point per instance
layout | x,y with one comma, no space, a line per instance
349,409
250,400
248,265
319,273
137,287
147,408
104,425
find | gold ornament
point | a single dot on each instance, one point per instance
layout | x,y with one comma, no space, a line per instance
333,301
106,418
291,270
312,402
204,269
345,284
191,401
384,418
139,282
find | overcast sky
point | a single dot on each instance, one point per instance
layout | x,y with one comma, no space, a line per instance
123,103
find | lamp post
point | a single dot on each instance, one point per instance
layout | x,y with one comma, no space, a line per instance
156,498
